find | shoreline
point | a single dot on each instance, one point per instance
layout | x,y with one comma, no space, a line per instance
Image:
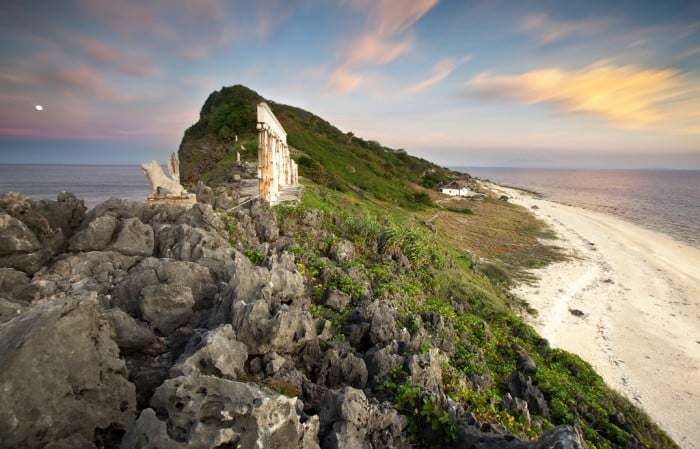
628,302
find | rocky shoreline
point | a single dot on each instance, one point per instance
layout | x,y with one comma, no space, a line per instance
146,326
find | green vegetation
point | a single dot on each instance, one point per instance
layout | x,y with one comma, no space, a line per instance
486,330
455,260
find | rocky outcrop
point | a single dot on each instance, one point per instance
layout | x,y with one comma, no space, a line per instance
156,326
61,375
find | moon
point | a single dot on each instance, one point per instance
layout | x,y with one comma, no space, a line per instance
39,107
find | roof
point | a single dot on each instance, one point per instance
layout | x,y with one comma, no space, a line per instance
460,183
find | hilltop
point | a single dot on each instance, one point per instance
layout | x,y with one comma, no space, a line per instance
325,155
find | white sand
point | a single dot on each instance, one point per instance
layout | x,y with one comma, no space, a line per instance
640,293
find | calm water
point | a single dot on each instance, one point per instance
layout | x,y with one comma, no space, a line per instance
666,201
94,184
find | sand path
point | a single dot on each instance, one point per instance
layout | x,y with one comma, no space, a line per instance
639,292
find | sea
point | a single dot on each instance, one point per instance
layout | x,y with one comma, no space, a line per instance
93,183
666,201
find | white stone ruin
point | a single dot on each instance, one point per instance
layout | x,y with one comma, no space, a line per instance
276,169
167,189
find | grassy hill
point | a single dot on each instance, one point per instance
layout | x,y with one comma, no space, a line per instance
326,155
378,199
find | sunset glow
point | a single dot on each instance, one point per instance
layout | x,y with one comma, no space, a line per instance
458,83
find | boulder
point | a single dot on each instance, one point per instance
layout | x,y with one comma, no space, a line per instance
50,223
520,386
10,309
342,251
285,332
96,236
166,306
96,271
381,317
66,213
335,299
53,391
134,238
15,286
130,334
425,370
208,412
560,437
19,246
151,271
340,367
381,361
215,353
349,420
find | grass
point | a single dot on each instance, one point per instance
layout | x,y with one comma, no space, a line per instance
487,333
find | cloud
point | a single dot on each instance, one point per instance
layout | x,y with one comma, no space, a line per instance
83,82
381,43
628,96
371,49
393,16
111,55
548,30
343,80
440,71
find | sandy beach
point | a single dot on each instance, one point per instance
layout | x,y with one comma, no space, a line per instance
628,303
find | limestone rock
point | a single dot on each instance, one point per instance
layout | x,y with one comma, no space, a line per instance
167,306
96,236
151,271
520,386
560,437
19,247
285,331
342,251
349,420
335,299
15,286
208,412
382,322
60,374
130,333
134,238
425,370
10,310
96,271
380,362
215,353
340,367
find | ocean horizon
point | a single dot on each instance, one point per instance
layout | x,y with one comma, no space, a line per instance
663,200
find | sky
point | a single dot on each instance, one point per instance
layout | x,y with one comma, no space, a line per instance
583,84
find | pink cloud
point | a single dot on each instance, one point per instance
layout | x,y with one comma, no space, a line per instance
371,49
390,17
439,72
380,44
111,55
342,80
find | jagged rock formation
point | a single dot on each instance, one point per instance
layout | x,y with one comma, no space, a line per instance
143,326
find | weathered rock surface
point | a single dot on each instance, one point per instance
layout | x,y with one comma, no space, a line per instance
349,420
60,375
136,324
209,412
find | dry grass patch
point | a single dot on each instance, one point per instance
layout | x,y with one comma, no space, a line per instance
499,232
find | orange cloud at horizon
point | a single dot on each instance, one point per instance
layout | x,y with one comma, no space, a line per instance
625,95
